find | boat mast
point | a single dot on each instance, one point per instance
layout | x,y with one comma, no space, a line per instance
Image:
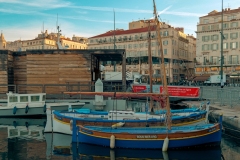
222,58
150,62
163,70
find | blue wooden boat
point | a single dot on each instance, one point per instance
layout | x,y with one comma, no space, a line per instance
62,119
149,138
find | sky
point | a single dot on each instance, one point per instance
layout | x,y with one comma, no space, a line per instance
25,19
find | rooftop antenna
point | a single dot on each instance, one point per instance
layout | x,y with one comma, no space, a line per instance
43,36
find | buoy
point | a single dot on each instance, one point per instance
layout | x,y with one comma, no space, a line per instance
15,110
165,144
44,108
119,124
26,109
71,124
112,141
112,154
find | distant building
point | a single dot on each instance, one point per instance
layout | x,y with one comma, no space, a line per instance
209,43
44,41
179,49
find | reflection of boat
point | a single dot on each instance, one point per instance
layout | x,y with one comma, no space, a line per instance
61,120
58,144
87,151
22,122
30,132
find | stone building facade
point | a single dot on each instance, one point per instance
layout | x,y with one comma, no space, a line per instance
179,49
208,56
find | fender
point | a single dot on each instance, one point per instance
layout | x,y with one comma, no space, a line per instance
14,110
26,109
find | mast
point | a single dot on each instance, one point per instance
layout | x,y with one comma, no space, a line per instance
114,39
163,70
150,62
222,58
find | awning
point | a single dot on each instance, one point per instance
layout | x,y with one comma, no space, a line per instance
201,78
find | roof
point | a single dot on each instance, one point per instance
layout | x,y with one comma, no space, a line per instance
226,11
121,32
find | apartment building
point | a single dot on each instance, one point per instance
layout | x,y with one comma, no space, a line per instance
44,40
209,43
179,49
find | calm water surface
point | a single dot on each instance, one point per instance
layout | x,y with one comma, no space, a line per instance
24,139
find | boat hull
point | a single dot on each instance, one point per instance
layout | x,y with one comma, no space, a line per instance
32,112
211,135
61,123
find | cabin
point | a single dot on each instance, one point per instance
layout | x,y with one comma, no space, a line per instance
55,71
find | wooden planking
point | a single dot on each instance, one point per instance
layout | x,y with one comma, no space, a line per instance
20,74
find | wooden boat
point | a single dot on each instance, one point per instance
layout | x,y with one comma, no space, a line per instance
61,120
24,105
149,138
31,105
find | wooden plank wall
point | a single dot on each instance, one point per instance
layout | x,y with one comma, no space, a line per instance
57,67
3,70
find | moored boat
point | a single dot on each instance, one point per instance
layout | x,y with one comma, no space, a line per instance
149,138
184,117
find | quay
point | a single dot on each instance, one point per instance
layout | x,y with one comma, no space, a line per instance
231,116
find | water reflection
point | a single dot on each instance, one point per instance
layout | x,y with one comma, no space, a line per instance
24,142
87,152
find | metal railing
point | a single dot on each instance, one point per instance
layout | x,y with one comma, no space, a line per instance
56,91
224,96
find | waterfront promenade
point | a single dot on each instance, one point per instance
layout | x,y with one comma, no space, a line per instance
231,115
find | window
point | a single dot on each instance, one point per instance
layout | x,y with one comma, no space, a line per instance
13,99
214,37
205,47
44,98
225,25
233,35
129,46
225,36
35,98
215,46
234,45
205,38
24,99
165,33
231,17
165,51
165,43
225,45
234,24
205,21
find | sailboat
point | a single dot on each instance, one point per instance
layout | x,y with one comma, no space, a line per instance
151,138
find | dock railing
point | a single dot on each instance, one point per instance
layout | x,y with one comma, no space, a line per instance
222,96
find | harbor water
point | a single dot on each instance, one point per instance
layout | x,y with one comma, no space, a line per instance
24,139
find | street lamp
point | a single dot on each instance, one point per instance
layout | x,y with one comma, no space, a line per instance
222,83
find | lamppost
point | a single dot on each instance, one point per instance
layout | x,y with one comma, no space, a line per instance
222,83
